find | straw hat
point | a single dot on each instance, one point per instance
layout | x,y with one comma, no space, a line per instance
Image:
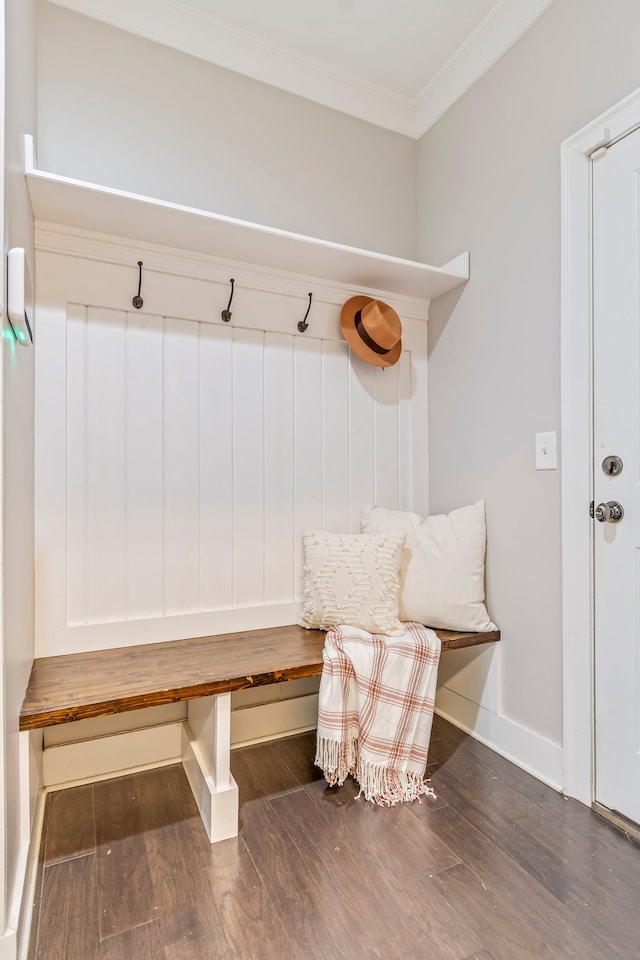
373,330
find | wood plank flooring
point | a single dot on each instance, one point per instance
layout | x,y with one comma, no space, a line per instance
498,867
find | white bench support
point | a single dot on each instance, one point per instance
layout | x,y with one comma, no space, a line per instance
206,753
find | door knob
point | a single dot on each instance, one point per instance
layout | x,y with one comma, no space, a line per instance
611,512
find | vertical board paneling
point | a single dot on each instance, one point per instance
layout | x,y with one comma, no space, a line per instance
50,466
362,452
180,462
386,437
335,436
76,464
278,472
181,470
307,399
144,588
216,468
419,436
405,459
248,468
105,469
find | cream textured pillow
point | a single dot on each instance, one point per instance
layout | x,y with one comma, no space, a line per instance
352,579
442,575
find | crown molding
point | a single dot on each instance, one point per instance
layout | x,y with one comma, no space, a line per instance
499,30
176,24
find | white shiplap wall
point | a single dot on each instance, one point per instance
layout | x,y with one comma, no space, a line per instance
180,459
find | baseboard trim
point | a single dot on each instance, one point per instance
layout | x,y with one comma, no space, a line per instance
8,945
536,755
24,910
112,755
131,751
271,721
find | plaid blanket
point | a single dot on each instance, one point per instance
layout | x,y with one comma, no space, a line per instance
376,709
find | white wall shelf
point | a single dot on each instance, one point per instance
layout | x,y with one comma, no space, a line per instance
89,206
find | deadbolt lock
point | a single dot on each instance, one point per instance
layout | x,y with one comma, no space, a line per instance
612,466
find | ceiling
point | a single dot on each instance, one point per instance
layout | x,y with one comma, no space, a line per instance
397,63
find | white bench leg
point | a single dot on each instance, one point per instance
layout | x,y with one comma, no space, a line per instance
206,752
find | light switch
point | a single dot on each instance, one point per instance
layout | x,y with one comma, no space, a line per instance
546,451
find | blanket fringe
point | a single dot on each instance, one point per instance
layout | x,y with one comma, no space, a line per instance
336,758
378,782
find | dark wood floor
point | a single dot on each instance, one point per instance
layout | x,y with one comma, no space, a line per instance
499,867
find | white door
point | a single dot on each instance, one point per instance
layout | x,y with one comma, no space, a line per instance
616,361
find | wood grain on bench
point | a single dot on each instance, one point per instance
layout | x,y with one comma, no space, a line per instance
102,682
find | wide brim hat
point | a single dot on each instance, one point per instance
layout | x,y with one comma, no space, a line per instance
373,330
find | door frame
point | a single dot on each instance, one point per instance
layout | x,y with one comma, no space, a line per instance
577,440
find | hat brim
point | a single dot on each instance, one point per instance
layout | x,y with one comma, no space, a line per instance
351,335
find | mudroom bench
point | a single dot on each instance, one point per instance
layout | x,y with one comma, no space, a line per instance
203,671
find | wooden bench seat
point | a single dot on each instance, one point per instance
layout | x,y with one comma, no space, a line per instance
102,682
204,671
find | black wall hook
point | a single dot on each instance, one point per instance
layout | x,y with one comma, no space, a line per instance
137,300
302,324
226,314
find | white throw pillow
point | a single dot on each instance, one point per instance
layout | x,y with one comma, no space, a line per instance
442,575
352,579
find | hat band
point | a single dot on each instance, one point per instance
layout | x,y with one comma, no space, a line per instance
366,339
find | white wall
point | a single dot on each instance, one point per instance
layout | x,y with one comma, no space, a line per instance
120,110
17,460
489,175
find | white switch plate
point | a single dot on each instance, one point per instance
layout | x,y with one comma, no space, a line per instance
546,451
